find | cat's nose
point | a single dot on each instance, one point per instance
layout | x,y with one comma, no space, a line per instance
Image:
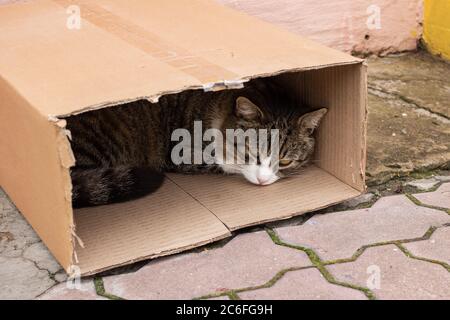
264,175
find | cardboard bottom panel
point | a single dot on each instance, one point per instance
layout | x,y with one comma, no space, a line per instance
165,222
191,210
238,203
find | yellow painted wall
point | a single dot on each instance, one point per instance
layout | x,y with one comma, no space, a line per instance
436,26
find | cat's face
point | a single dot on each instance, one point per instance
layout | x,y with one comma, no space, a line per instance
295,141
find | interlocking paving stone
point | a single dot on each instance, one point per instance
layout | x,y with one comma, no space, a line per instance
85,291
423,184
301,285
435,248
400,277
438,198
249,259
338,235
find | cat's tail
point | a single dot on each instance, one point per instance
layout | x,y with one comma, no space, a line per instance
99,186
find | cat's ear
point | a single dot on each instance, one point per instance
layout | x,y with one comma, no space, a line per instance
310,121
247,110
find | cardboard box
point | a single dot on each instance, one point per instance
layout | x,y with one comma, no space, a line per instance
129,50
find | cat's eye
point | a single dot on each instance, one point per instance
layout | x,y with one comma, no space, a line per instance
285,162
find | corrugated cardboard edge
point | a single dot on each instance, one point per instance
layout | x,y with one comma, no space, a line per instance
292,215
157,255
67,160
214,86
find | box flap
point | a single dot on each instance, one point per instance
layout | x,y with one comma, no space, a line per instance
35,158
239,204
128,50
163,223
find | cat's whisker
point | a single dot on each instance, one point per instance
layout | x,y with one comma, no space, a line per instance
297,172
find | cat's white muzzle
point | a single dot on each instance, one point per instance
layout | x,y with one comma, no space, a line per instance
259,174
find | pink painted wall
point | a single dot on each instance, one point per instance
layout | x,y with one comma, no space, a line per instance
389,25
341,24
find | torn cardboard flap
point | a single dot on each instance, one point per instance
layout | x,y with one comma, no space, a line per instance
223,85
125,51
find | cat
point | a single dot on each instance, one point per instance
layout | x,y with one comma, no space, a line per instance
122,152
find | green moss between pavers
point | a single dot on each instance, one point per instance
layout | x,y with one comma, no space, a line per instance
100,290
318,263
233,293
233,296
412,256
419,203
361,250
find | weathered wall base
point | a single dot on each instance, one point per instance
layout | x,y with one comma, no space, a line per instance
362,26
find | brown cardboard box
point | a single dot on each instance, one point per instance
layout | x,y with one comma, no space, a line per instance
129,50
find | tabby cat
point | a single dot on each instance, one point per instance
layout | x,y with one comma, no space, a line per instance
122,152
